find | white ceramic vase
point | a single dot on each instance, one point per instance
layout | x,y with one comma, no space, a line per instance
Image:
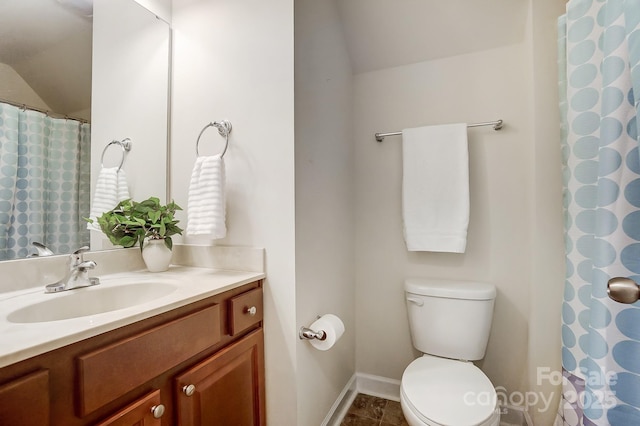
156,255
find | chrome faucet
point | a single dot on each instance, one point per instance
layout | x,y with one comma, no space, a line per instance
78,274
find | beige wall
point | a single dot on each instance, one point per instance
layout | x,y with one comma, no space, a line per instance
14,88
324,203
548,263
478,87
234,60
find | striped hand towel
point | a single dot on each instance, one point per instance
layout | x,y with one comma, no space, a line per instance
111,188
206,200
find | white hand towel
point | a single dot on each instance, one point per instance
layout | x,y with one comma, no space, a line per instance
206,199
123,186
435,188
111,188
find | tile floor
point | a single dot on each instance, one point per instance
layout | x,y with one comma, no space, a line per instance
369,410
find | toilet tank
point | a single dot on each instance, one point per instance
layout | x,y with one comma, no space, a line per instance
451,319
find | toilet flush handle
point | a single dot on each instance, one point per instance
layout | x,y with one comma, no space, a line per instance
415,300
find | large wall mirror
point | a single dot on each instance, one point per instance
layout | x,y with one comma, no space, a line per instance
76,75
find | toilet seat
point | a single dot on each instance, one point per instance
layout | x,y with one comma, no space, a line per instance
441,391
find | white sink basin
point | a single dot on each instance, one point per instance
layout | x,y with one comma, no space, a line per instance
90,301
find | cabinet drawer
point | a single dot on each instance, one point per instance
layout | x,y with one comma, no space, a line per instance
140,413
245,310
112,371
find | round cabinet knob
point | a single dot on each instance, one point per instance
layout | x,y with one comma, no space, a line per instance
252,310
189,390
157,411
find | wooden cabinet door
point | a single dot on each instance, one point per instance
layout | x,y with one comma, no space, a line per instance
25,401
140,413
227,388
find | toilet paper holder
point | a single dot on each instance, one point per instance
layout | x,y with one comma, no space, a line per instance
306,333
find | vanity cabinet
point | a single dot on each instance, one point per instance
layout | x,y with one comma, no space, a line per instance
25,401
201,364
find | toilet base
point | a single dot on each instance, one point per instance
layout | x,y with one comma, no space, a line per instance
414,420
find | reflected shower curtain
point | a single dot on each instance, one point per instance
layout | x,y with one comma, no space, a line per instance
600,89
44,182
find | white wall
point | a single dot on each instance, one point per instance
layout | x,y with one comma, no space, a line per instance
324,203
234,60
477,87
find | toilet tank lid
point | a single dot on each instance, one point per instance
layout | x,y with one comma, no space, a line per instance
453,289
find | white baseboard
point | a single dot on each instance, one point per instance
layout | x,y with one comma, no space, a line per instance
368,384
339,408
378,386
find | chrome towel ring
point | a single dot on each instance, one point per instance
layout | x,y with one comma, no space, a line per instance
224,128
124,144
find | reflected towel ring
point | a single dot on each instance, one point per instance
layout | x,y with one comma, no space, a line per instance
224,128
125,144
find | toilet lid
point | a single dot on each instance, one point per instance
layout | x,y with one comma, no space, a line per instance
448,392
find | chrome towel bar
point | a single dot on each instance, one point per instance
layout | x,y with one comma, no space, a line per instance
497,125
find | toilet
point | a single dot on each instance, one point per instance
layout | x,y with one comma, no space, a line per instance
450,323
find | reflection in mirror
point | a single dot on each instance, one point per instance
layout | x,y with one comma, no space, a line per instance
48,171
130,98
45,82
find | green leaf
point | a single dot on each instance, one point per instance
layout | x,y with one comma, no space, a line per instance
127,241
154,216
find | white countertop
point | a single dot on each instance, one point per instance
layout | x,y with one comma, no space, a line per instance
19,341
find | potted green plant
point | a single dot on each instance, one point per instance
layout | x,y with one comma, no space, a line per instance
147,223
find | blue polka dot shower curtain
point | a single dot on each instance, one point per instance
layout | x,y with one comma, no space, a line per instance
599,51
44,182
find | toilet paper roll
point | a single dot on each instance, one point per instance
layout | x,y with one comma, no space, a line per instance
332,326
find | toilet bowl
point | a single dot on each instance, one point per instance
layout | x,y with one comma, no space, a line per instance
442,392
450,323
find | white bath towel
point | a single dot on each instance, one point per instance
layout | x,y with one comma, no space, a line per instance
111,188
435,188
206,209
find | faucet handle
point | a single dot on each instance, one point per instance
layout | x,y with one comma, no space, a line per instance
76,256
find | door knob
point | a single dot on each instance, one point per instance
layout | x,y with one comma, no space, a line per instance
188,390
623,290
157,411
